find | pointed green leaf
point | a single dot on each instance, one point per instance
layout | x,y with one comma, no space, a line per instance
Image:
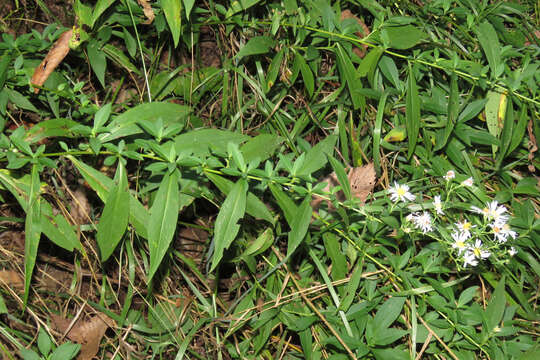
490,44
32,230
285,203
254,206
412,112
172,10
453,109
388,313
403,37
315,157
299,226
226,227
256,46
163,219
341,176
99,9
114,219
495,309
307,75
348,73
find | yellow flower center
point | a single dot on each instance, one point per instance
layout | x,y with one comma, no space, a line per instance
467,225
401,191
476,252
460,244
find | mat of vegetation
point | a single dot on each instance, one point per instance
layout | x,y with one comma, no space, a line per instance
257,179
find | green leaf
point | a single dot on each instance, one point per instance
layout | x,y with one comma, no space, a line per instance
412,111
316,156
333,250
44,342
490,44
99,9
28,354
32,230
273,69
188,5
307,75
285,203
256,46
60,127
369,64
65,351
299,226
126,124
260,147
200,141
163,219
114,219
341,176
387,314
101,184
495,105
388,336
98,61
402,37
20,100
453,108
102,115
227,227
120,58
348,73
254,206
519,130
495,309
172,10
240,5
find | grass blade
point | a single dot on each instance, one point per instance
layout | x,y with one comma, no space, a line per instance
412,112
32,231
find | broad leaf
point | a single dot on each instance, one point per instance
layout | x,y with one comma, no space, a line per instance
260,147
163,219
299,226
114,219
495,309
256,46
490,44
32,230
402,37
201,141
172,10
388,313
316,157
99,9
226,227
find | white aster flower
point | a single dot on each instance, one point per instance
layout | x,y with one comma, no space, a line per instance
400,192
468,182
496,212
423,222
512,251
438,205
477,250
469,259
465,227
450,174
410,217
459,241
502,233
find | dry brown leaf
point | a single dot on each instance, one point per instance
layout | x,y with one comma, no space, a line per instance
362,181
80,207
55,56
347,14
87,333
147,10
12,279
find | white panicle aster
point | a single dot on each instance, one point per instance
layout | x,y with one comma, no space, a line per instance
469,182
438,205
400,192
423,222
450,174
502,233
477,250
469,259
465,227
496,213
512,251
459,241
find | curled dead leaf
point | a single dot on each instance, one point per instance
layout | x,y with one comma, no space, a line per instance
147,10
361,179
86,333
56,54
347,14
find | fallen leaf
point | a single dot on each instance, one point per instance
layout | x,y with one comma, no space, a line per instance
362,181
55,56
347,14
86,333
532,145
147,10
80,208
12,279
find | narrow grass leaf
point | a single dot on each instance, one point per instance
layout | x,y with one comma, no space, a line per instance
519,130
114,219
227,227
348,74
299,226
172,10
163,218
412,112
377,132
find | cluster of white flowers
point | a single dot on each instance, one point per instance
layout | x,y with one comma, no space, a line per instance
466,236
